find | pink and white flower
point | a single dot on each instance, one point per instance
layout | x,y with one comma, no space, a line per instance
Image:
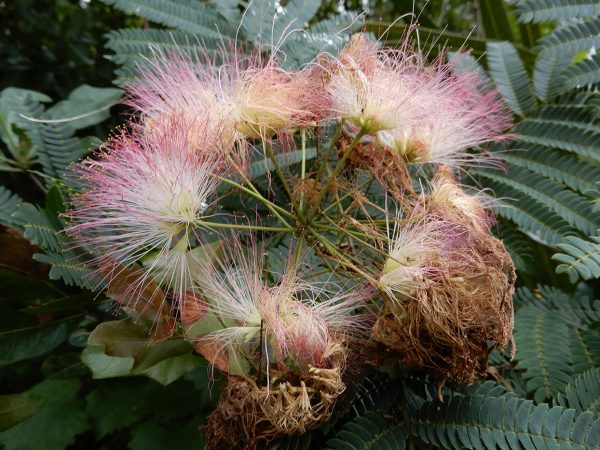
293,321
455,114
242,95
412,247
143,201
367,87
425,113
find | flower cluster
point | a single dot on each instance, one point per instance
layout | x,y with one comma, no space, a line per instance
423,113
167,205
240,95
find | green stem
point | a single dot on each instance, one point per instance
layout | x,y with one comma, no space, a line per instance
269,150
302,174
275,209
339,257
338,168
245,227
335,138
353,235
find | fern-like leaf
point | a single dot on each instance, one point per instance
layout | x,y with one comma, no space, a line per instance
40,227
547,10
584,348
579,258
505,421
562,136
571,38
376,392
268,23
286,29
370,431
45,230
583,393
548,75
541,337
585,73
131,45
508,72
15,106
68,267
184,15
578,116
576,310
59,148
555,337
558,165
325,36
8,204
573,208
531,217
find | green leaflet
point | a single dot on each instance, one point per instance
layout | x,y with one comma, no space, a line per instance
15,408
122,348
579,258
546,10
508,72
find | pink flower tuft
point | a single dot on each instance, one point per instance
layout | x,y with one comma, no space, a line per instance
241,94
412,248
423,112
299,322
457,113
369,89
143,201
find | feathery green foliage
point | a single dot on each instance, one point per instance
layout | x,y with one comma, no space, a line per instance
549,75
572,37
584,73
579,258
45,230
132,45
370,431
583,393
185,15
555,340
508,72
554,164
545,10
503,421
8,202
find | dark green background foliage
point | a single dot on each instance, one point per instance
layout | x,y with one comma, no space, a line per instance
60,58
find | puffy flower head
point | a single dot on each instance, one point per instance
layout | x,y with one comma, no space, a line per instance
292,324
412,249
269,99
455,114
242,95
423,112
449,290
173,86
144,198
367,88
